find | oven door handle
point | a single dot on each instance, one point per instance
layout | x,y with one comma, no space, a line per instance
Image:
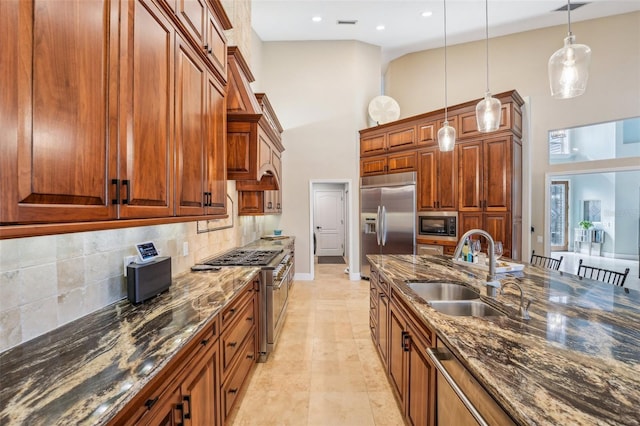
436,359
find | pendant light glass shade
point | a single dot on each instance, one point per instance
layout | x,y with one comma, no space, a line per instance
446,137
488,114
569,69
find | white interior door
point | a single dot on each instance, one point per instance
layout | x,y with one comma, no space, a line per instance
328,219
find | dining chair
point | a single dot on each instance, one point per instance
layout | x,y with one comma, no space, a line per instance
604,275
545,262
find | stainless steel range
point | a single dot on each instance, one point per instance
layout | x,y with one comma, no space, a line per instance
275,279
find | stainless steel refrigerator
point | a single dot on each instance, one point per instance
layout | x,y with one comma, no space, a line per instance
387,216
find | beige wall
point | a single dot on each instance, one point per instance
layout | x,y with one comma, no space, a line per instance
519,62
320,92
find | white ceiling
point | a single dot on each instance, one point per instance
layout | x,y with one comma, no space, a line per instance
406,30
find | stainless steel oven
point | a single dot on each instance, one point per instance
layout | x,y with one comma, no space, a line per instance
440,225
275,279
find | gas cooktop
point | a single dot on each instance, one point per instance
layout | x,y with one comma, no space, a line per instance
244,258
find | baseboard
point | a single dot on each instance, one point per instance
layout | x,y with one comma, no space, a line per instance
303,277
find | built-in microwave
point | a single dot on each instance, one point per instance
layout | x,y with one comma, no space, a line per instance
438,224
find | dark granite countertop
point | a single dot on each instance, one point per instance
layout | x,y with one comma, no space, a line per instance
84,372
576,361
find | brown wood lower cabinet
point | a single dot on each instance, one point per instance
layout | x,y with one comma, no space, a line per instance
200,385
380,315
497,224
411,373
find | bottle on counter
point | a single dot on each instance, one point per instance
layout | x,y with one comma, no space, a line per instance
465,250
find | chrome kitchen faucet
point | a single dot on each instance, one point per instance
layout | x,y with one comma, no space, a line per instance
492,284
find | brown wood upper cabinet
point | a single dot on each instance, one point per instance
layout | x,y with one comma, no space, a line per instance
118,115
485,174
428,130
400,137
254,145
481,178
437,179
204,23
510,119
59,104
200,138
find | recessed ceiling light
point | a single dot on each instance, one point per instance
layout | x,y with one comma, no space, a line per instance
316,18
427,13
380,27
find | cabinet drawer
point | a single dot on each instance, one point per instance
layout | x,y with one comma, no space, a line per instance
233,384
233,337
232,311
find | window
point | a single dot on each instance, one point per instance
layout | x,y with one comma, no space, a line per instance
602,141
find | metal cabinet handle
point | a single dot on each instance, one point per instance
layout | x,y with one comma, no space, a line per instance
127,183
232,344
187,402
151,402
435,359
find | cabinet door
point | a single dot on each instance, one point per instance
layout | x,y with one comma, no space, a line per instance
200,389
470,170
216,148
470,220
250,202
396,353
146,122
399,163
497,174
216,45
168,411
447,179
193,15
420,398
403,138
373,166
190,136
428,133
59,154
428,177
498,226
373,145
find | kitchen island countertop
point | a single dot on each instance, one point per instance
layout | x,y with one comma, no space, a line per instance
576,361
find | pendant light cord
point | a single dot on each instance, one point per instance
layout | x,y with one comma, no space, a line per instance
569,14
486,26
445,60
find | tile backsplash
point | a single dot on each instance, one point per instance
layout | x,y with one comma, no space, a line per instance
48,281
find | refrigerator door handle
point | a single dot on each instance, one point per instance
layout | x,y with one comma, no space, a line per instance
384,225
378,227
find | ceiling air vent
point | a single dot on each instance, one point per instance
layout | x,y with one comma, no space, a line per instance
574,6
347,21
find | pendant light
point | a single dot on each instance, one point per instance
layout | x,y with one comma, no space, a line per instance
488,110
569,66
446,134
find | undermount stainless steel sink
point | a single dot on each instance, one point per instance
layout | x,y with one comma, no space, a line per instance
474,308
442,291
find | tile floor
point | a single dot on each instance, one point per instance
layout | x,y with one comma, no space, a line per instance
325,369
571,260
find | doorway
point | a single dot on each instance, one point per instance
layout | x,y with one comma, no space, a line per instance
331,223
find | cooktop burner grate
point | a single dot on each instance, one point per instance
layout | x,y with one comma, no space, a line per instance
244,258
